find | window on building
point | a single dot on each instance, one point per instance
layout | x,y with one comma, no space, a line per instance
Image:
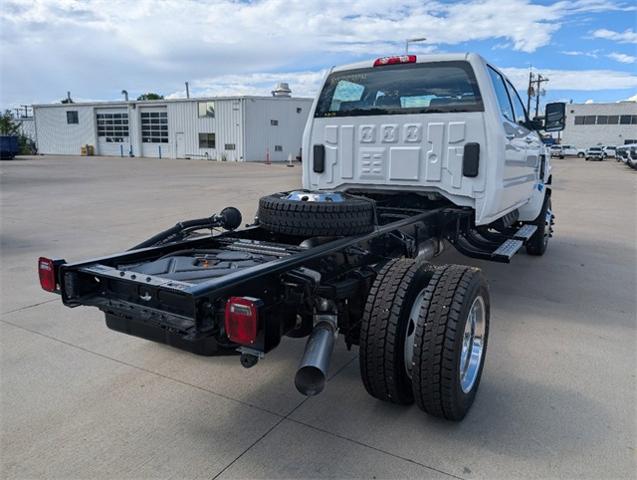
602,119
613,119
154,127
274,123
502,95
112,126
278,148
590,119
207,140
206,109
633,120
299,109
72,117
624,120
229,146
579,120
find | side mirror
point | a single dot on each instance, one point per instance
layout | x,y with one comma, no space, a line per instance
555,117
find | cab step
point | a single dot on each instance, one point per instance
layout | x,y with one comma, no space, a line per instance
505,252
525,232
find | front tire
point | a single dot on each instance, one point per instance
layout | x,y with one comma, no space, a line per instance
539,242
450,341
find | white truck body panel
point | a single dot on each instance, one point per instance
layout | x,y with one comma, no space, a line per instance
423,152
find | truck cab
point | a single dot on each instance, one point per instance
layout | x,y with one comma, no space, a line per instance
448,125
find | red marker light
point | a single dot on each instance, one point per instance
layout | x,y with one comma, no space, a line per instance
46,271
242,319
381,62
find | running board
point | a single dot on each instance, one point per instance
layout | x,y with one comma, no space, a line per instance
493,246
525,232
504,253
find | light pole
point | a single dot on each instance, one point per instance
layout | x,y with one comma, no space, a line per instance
412,40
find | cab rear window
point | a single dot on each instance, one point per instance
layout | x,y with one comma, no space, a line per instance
437,87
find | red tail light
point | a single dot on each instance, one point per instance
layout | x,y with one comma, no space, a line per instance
242,319
46,271
381,62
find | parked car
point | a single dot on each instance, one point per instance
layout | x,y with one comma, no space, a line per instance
402,154
571,150
9,147
556,151
609,151
594,153
628,154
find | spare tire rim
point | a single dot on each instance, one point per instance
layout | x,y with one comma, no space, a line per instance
473,340
301,196
410,334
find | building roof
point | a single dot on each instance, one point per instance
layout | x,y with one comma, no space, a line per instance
122,103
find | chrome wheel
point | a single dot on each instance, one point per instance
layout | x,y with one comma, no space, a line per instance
473,340
410,335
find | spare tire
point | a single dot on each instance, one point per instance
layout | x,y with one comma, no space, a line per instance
311,214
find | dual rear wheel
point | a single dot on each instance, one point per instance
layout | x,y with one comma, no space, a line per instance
424,336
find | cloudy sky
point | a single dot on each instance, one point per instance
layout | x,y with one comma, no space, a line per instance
95,48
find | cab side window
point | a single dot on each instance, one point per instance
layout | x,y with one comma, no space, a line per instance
518,106
503,97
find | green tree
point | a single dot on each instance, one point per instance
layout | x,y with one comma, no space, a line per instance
8,125
150,96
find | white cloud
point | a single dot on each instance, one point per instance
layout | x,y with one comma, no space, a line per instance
583,80
307,83
627,36
632,99
302,84
97,48
622,57
589,101
578,53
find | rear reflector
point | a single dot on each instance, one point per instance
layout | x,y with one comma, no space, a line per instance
242,319
380,62
46,271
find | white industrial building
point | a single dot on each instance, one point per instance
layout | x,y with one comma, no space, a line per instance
241,128
591,124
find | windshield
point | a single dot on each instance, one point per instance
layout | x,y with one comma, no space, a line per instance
595,149
401,89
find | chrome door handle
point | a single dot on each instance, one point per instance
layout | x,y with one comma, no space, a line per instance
510,136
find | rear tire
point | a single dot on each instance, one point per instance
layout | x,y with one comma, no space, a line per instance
389,318
451,341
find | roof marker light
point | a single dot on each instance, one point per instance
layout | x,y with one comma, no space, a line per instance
381,62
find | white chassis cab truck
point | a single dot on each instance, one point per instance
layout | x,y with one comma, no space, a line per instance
402,155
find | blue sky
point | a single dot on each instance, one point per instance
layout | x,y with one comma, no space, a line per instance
96,48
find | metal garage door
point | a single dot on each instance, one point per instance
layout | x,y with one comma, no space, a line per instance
112,131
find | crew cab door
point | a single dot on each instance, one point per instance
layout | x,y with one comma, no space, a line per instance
522,145
532,138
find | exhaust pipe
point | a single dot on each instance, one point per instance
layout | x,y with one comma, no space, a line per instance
312,373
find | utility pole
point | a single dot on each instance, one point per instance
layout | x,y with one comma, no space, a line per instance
538,92
535,90
529,92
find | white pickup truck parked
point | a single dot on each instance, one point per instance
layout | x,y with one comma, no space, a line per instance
403,155
442,125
